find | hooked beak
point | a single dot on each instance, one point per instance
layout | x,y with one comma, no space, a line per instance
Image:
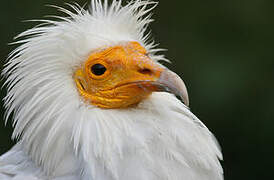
171,82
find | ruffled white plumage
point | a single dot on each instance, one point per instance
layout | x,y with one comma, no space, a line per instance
61,137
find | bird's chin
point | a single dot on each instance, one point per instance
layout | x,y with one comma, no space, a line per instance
122,95
125,94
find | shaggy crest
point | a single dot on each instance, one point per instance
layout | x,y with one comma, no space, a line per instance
64,135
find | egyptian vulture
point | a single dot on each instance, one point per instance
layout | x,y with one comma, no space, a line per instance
90,101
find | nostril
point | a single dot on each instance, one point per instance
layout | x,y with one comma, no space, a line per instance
145,71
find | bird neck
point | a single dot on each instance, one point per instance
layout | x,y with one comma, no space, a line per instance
143,141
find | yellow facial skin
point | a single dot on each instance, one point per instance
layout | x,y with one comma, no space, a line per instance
126,76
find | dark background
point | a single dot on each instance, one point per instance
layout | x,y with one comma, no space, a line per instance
224,52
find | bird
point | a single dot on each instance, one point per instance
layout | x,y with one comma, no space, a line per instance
90,99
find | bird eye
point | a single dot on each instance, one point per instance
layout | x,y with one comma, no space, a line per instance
98,69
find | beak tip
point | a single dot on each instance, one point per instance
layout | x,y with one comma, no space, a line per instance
174,84
186,101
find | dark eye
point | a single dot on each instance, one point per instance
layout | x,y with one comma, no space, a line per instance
98,69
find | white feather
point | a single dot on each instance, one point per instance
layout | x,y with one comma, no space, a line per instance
61,137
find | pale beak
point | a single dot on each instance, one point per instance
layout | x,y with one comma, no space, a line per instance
171,82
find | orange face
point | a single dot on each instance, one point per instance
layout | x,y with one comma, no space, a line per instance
118,77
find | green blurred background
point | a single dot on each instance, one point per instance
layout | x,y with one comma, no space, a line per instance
224,52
